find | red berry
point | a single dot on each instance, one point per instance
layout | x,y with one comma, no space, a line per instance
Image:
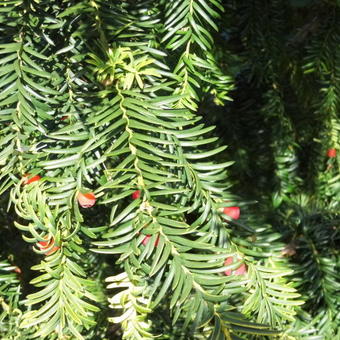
53,250
64,117
331,153
17,270
29,180
45,244
147,238
48,244
233,212
87,200
136,194
227,262
242,269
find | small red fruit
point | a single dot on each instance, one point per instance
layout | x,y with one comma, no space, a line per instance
135,194
64,117
227,262
87,200
147,238
45,244
233,212
17,270
331,153
29,180
242,269
48,244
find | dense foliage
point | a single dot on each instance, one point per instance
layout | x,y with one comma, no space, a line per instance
122,213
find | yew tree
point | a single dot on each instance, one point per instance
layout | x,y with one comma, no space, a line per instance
123,214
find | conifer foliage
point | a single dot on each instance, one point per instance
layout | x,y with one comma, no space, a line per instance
123,214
